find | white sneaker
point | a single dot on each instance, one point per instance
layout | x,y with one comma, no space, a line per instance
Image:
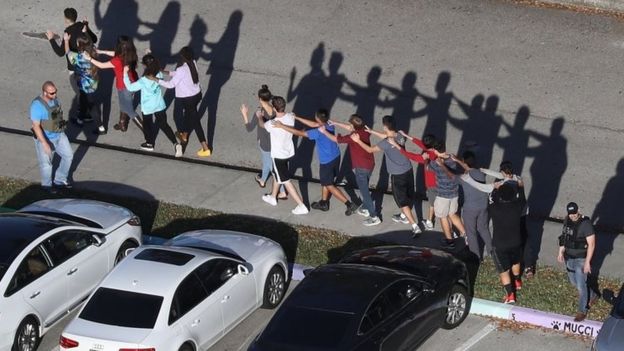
300,210
363,212
415,229
269,200
178,149
428,224
371,221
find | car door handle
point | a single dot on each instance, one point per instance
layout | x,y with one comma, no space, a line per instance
225,298
35,294
195,323
72,271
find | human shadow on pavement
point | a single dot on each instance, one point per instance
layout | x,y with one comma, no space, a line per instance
437,107
280,232
516,143
221,57
430,239
403,102
140,202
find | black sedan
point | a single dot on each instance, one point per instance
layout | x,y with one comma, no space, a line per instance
383,298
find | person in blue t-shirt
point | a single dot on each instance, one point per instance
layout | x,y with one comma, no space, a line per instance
47,127
329,159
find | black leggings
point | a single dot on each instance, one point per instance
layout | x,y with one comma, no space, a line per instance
87,106
150,131
192,118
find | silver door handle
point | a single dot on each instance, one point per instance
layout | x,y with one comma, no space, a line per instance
195,323
72,271
225,298
35,294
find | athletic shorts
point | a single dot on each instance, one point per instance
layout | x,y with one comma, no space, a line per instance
444,207
505,258
403,188
329,171
280,170
432,193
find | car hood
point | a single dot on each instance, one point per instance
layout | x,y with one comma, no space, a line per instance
611,336
108,216
87,331
249,247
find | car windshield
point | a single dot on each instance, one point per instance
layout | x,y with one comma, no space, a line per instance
330,328
122,308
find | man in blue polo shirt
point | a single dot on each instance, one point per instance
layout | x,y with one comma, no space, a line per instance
48,128
329,159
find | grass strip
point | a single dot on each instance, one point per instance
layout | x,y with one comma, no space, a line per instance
548,291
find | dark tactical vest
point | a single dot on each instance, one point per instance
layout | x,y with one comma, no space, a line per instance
55,122
575,247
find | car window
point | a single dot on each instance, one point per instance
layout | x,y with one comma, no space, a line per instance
32,267
389,301
122,308
188,295
214,273
66,244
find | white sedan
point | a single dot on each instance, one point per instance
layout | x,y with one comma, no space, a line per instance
53,253
184,295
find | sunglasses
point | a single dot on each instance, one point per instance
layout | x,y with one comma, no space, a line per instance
51,93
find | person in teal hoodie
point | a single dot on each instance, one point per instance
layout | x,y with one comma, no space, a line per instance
152,104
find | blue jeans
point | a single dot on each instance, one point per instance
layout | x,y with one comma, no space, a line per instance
61,147
574,266
362,178
267,167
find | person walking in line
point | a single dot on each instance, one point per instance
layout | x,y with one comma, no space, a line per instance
188,94
48,128
123,55
577,243
329,158
399,168
263,138
505,212
87,79
362,162
152,104
282,150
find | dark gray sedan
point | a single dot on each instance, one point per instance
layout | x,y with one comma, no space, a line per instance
611,336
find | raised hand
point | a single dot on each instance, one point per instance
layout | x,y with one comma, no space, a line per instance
50,34
244,109
66,36
355,137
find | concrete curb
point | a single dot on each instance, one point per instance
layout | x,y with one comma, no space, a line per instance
607,5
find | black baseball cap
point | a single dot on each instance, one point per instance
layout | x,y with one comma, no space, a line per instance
572,208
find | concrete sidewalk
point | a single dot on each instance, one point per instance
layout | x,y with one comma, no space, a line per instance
187,182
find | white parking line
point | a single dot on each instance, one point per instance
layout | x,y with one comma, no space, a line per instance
476,338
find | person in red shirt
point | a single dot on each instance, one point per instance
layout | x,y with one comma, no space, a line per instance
362,162
124,55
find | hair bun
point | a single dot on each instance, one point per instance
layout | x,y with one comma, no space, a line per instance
264,86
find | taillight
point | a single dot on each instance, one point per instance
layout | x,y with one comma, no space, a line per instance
67,343
134,221
148,349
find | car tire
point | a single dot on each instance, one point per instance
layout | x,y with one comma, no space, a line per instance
27,336
458,307
123,250
274,287
186,347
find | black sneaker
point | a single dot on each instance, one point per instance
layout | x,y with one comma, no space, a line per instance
49,189
448,244
351,209
321,205
147,147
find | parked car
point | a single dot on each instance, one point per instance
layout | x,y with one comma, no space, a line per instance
611,335
184,295
52,254
384,298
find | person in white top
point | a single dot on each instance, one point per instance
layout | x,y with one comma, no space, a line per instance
282,150
185,80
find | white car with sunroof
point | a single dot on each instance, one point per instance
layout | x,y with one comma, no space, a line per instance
184,295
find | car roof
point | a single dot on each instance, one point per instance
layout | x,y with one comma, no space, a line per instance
342,287
19,230
155,269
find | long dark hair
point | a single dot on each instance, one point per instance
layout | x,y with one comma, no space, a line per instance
84,44
187,56
152,66
126,50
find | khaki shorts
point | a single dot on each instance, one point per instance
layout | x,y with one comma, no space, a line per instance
444,207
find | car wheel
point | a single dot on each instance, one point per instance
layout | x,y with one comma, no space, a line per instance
458,307
124,250
186,347
274,287
27,336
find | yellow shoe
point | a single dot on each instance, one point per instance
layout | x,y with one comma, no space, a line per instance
204,153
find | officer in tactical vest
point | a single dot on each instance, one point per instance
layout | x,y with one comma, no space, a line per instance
576,248
48,127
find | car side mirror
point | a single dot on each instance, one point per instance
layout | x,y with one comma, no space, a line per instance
609,296
97,241
242,270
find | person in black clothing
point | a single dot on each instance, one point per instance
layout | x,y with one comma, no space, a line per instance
505,212
74,29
